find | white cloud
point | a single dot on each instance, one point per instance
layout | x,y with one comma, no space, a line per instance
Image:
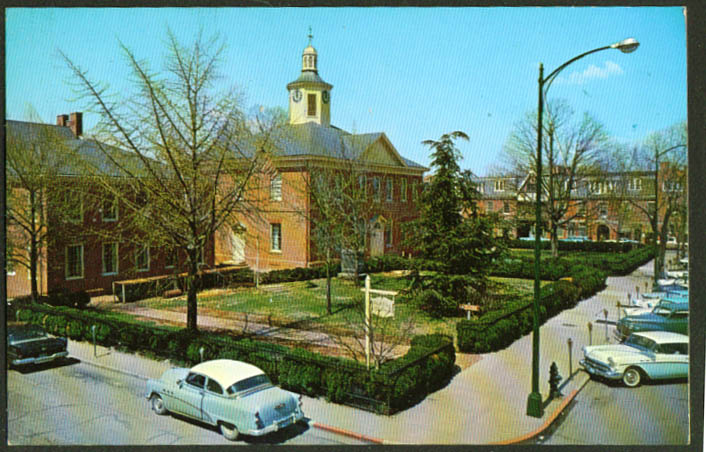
592,72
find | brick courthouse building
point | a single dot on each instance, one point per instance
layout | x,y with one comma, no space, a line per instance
280,238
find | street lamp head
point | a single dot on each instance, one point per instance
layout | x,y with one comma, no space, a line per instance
626,45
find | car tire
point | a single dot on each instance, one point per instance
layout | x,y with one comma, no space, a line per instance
158,404
632,377
229,432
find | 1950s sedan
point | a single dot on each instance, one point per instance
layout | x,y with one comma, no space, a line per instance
652,354
30,344
234,396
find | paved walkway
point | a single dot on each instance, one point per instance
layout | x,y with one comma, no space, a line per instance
483,404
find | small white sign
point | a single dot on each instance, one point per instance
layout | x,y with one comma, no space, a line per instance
383,307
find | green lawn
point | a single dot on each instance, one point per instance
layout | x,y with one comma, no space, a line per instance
305,303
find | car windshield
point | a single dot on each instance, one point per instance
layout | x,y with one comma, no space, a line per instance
662,311
641,342
25,333
249,383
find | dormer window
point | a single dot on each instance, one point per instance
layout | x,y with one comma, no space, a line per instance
499,185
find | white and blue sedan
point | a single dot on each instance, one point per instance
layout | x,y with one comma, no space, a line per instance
234,396
647,354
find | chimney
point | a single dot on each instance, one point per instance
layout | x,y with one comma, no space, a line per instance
61,120
76,123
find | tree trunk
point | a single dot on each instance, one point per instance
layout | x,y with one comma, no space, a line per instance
328,282
33,270
191,300
555,241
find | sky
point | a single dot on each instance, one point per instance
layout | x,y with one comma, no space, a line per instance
412,73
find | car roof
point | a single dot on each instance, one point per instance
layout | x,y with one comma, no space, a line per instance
664,336
226,371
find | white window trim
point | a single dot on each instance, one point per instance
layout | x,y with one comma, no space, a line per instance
499,185
117,258
377,188
272,236
363,184
110,219
389,189
146,248
78,220
276,188
66,262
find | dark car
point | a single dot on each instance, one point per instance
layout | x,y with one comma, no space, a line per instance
30,344
666,316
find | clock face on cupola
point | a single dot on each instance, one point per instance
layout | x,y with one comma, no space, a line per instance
310,96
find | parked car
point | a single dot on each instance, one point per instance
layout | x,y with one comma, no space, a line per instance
576,238
234,396
654,355
30,344
644,305
666,316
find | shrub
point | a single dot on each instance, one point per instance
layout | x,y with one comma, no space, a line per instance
396,385
502,328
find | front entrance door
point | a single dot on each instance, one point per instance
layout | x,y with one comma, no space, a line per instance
377,240
603,233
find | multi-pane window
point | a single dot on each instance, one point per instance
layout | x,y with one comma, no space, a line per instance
603,210
276,236
489,207
671,186
506,207
388,189
142,258
388,234
651,206
376,188
110,209
74,262
276,188
73,207
311,105
499,185
403,190
170,259
363,184
110,258
635,184
415,190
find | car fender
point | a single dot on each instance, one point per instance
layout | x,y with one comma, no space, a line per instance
229,410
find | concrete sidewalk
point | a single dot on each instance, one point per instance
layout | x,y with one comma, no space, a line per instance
485,403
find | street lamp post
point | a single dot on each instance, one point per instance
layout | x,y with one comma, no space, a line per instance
534,401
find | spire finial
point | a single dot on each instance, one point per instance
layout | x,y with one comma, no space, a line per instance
310,35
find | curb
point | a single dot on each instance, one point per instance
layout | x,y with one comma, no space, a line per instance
348,433
549,421
114,369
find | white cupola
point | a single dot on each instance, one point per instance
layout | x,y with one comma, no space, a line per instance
309,95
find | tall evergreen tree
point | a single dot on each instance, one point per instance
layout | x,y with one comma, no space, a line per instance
463,247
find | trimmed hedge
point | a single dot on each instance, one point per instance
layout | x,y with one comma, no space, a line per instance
553,269
397,385
600,247
499,329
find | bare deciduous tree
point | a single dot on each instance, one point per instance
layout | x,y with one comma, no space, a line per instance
570,149
183,157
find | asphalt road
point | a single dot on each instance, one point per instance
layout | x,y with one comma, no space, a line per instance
72,403
609,413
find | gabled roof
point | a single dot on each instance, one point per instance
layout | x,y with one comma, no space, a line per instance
312,139
86,149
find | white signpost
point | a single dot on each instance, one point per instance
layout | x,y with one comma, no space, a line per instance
384,308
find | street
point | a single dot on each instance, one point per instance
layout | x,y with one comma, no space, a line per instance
610,413
74,403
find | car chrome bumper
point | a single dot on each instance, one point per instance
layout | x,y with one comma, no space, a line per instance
277,425
39,359
611,374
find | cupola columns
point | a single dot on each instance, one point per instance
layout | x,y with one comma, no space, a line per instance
309,95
